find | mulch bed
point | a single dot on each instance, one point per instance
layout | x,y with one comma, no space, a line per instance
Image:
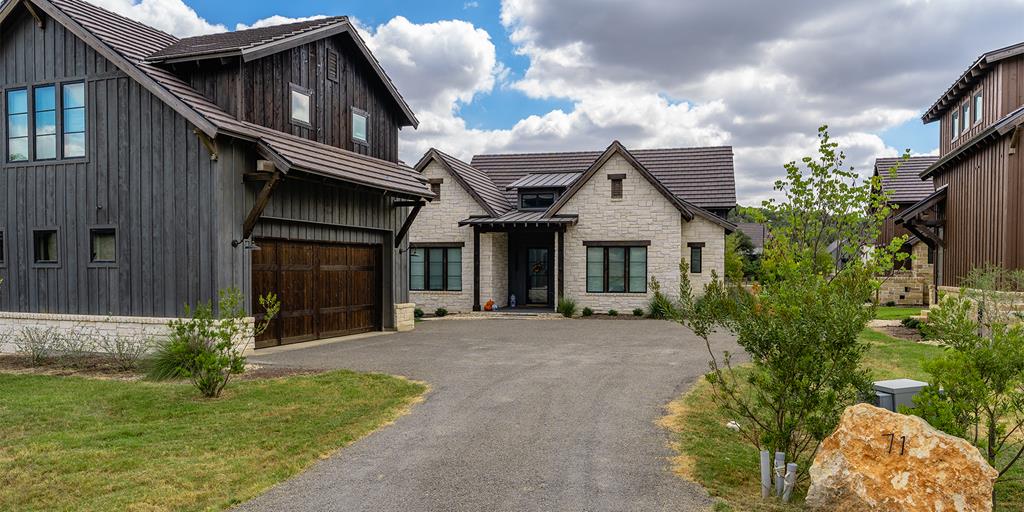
900,332
103,367
620,316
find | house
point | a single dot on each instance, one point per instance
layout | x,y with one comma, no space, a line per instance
974,216
142,172
593,226
757,233
912,277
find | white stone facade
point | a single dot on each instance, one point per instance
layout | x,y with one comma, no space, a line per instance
405,317
142,329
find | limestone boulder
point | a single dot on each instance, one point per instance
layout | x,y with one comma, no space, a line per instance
883,461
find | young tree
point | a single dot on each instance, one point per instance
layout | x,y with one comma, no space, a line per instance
800,327
976,389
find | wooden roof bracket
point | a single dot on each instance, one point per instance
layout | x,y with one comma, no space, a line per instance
1015,138
40,21
925,233
408,223
209,143
262,199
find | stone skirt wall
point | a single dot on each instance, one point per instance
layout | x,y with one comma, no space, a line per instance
904,290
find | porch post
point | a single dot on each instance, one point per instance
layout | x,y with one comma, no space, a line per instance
476,268
561,263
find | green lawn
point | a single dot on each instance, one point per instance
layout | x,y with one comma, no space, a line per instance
896,312
727,466
88,444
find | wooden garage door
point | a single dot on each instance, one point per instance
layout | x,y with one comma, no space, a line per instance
326,290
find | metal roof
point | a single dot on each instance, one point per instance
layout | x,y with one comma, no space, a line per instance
545,180
907,186
239,39
518,218
702,176
969,78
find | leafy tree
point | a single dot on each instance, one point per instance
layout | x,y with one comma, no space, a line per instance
976,388
800,326
735,259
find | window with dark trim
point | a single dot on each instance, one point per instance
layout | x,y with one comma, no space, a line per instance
435,187
44,246
300,104
696,257
434,268
616,268
45,122
536,200
360,125
73,114
102,245
931,255
17,125
616,180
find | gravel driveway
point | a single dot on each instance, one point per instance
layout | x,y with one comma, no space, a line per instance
522,415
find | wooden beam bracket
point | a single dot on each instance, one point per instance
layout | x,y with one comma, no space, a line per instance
262,199
209,143
405,204
407,224
40,21
1015,139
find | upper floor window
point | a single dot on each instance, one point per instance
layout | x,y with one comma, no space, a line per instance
966,116
46,122
616,180
44,246
435,187
978,102
17,125
102,245
37,137
74,120
536,200
300,97
956,124
359,118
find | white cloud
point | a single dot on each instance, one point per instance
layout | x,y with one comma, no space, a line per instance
171,16
277,20
471,5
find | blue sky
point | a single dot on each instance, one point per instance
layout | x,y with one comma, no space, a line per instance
489,76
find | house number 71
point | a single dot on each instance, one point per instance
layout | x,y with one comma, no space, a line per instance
892,441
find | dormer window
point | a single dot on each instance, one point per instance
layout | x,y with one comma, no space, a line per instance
300,105
536,200
359,118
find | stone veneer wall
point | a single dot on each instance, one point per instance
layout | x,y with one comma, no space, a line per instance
909,288
134,327
438,221
642,214
405,318
493,269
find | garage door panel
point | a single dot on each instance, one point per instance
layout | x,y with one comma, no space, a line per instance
325,289
264,281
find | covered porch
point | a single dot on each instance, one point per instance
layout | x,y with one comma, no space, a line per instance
534,262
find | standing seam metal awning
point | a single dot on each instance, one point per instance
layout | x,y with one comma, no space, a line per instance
521,219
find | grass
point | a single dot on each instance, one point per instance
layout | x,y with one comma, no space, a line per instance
896,312
721,461
71,443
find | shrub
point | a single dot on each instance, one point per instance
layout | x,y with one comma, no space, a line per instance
126,351
612,312
40,344
75,344
661,306
587,312
566,306
976,388
638,312
439,312
912,323
206,347
890,304
417,313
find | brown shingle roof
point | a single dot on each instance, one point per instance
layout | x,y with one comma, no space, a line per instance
907,186
756,231
131,42
702,176
239,39
478,184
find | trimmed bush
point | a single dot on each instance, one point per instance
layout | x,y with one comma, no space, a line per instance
588,312
661,306
417,313
567,307
612,312
439,312
39,344
911,323
890,304
638,312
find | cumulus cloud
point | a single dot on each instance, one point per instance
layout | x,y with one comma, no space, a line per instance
277,20
171,16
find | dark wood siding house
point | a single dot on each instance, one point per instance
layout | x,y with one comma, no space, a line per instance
974,216
910,280
142,172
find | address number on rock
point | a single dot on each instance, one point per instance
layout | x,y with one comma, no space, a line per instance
892,442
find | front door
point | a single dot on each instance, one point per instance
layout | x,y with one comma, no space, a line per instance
537,273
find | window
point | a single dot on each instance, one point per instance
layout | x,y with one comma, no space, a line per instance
17,125
102,245
616,180
44,243
300,105
967,116
73,97
537,200
359,118
332,65
46,122
978,102
956,124
696,257
435,268
435,187
619,268
3,259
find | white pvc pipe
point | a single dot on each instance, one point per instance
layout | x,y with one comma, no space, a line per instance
780,469
766,474
790,481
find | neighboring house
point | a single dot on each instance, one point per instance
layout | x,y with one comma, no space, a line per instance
593,226
142,172
909,283
757,233
975,214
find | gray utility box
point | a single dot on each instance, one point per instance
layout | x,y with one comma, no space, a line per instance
891,394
